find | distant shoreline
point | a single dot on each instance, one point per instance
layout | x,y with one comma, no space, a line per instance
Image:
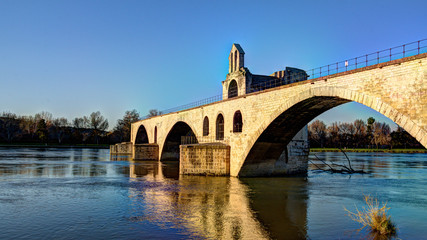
369,150
94,146
106,146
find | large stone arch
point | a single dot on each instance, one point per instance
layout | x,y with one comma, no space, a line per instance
169,150
276,131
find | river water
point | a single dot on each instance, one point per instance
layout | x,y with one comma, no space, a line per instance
82,194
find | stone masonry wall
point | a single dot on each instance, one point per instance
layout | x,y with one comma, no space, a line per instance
205,159
146,152
124,148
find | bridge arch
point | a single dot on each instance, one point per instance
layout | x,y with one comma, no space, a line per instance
170,149
141,135
273,135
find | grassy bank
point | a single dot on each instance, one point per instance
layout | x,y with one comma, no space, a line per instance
369,150
38,145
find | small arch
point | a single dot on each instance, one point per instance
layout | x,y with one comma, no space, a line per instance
220,127
174,139
141,135
232,89
237,122
155,134
206,126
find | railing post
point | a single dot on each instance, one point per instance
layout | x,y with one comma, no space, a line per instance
390,54
378,57
328,69
403,50
366,60
337,67
356,62
418,47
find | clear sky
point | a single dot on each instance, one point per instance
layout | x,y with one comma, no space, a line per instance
72,58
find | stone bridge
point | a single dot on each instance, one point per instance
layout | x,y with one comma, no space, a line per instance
261,132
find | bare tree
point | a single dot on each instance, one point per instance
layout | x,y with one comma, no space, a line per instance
29,125
317,130
81,122
381,134
360,131
98,123
124,125
154,112
60,124
333,134
346,132
47,116
9,126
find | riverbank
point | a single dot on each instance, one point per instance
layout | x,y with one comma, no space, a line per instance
35,145
369,150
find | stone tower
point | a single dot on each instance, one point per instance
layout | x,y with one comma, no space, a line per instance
235,82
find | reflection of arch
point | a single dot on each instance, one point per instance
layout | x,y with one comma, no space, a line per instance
173,140
232,89
220,127
141,135
155,134
275,133
237,122
206,126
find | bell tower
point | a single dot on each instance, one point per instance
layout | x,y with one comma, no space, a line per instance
236,59
235,83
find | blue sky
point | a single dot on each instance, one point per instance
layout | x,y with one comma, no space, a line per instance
75,57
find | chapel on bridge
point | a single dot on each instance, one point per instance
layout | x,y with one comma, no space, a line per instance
240,80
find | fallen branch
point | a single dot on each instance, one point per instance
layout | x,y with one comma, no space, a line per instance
344,169
348,159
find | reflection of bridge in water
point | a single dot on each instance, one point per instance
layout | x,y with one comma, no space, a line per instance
221,207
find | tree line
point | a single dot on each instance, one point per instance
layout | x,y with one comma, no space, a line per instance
44,128
93,129
359,134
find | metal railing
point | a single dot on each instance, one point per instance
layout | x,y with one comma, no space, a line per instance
386,55
202,102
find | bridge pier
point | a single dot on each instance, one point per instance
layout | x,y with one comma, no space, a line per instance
205,159
292,161
145,152
124,148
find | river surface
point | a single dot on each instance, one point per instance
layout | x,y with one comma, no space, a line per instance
82,194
